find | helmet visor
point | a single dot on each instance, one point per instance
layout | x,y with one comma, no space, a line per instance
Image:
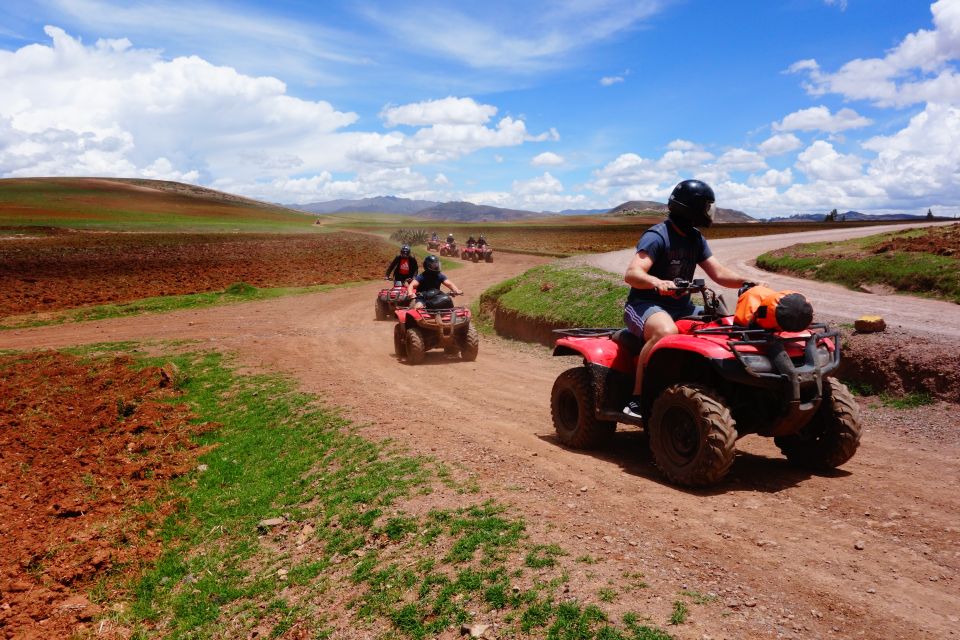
710,213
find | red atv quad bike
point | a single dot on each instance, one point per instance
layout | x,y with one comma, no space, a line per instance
449,249
433,245
485,252
469,252
389,299
707,386
438,325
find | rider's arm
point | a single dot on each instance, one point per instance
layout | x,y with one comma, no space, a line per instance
638,274
722,275
392,266
449,284
411,286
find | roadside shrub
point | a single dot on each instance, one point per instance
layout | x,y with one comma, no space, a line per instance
410,236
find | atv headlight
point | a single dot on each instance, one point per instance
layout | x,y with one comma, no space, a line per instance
757,363
824,357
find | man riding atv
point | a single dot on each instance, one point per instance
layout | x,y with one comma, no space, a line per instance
667,251
403,267
429,281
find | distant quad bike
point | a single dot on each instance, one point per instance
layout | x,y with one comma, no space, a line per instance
485,252
433,245
389,299
707,386
449,249
438,325
469,252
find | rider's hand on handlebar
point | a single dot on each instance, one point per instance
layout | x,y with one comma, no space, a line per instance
663,287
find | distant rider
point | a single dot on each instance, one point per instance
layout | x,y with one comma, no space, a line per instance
669,250
481,241
430,280
403,267
471,242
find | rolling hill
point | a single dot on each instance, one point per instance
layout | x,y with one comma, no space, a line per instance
134,204
636,207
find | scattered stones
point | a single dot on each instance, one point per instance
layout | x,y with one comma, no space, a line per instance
282,573
474,630
202,467
859,545
266,525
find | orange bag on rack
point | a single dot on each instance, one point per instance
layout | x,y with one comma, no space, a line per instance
775,310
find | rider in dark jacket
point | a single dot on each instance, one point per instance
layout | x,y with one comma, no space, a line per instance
403,267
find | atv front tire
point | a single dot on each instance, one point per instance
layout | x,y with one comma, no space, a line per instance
692,435
381,310
399,342
415,349
572,409
489,258
833,434
470,345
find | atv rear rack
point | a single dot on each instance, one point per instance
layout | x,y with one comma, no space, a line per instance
597,332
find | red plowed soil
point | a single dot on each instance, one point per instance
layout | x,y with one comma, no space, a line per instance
64,270
79,442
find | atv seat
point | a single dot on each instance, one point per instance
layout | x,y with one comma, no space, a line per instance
629,341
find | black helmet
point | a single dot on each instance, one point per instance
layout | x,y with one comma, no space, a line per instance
431,263
691,204
405,250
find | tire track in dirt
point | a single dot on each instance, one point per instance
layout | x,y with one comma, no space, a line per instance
777,545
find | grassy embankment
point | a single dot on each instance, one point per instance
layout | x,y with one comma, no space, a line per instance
559,295
923,262
138,205
372,539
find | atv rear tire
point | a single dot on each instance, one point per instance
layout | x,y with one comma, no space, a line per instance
399,342
833,434
474,257
489,258
470,345
381,310
415,350
692,435
572,409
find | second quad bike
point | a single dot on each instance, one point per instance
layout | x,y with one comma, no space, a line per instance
469,252
389,299
449,249
437,325
433,245
707,386
485,252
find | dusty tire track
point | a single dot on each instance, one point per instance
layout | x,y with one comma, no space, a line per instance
777,545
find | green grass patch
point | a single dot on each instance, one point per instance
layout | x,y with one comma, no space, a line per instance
875,260
236,292
679,613
278,454
576,296
907,401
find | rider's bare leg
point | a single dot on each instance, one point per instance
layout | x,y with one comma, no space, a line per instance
656,327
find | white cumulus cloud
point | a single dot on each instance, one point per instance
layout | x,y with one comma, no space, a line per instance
779,144
547,158
607,81
449,110
820,119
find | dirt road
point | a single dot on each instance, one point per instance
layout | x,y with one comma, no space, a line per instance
832,302
871,552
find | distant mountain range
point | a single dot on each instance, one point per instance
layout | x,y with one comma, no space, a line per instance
851,216
637,207
467,211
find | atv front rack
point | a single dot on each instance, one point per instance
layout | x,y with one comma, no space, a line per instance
597,332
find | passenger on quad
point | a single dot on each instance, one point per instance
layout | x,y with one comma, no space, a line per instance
481,241
434,237
450,239
666,251
403,267
429,281
471,242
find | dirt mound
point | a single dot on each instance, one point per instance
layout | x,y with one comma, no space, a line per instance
941,241
70,270
899,363
80,441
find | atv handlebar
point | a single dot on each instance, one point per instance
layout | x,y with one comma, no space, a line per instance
679,284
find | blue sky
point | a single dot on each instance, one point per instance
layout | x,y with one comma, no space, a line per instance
784,106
